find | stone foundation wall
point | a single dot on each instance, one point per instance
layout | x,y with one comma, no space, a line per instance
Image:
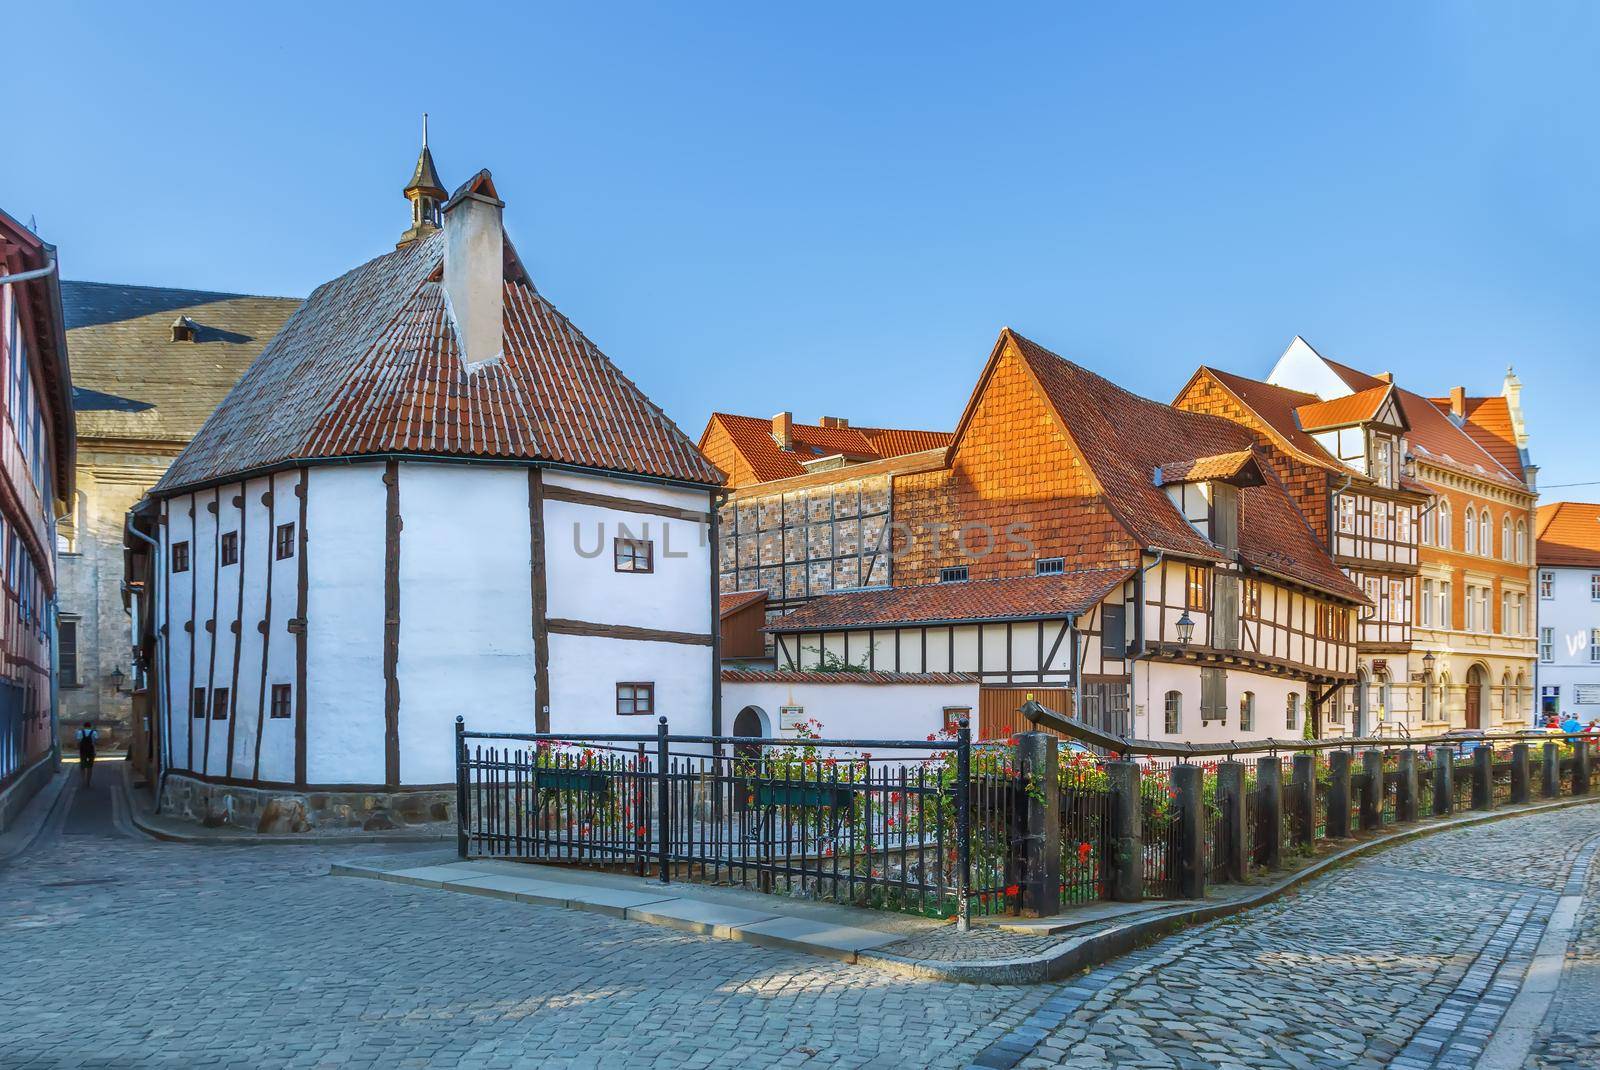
279,810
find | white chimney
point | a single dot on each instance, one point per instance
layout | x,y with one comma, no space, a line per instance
474,268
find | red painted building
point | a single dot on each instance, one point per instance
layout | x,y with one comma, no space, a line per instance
36,459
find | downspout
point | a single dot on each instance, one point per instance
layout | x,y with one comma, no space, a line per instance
36,273
161,736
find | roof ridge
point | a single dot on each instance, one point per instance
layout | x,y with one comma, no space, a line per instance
178,290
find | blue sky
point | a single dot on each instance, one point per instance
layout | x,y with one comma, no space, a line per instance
834,209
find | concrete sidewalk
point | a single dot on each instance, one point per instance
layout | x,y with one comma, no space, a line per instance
996,951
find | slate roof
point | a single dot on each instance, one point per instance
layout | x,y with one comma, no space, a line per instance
812,676
752,437
1124,437
1568,534
1433,433
1017,598
132,381
371,365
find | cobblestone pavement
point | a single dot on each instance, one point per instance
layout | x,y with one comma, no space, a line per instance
122,952
1570,1038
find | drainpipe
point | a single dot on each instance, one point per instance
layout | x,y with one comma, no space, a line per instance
36,273
161,736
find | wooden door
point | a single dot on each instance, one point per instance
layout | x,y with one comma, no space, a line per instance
1474,705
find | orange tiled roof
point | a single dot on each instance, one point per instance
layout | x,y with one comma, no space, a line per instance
370,365
1017,598
812,676
1488,423
734,601
752,437
1221,466
1275,406
1355,408
1433,433
1123,437
1568,533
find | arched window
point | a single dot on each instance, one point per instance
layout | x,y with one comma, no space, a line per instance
1247,711
1486,534
1522,542
1505,538
1470,543
1429,518
1508,701
1291,716
1427,697
1517,697
1443,711
1174,723
1446,538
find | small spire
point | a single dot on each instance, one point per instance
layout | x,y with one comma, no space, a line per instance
425,192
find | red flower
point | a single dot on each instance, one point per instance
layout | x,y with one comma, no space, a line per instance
1084,851
1013,890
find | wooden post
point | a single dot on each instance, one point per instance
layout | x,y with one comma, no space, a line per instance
1406,796
1269,812
1303,799
1191,804
1230,823
1038,848
1519,773
1338,819
1444,781
1371,789
1125,867
1483,778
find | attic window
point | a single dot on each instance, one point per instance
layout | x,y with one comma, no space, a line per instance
183,329
953,574
1050,566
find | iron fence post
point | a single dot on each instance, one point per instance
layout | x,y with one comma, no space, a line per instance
663,799
461,787
963,826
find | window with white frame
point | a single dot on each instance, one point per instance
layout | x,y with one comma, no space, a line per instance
1594,644
1446,620
1347,513
1049,566
1594,587
1397,600
1505,537
1486,534
1291,713
1547,584
1470,621
1247,711
1547,645
1174,713
1522,542
1444,537
1429,523
1427,603
1470,543
1505,613
1484,622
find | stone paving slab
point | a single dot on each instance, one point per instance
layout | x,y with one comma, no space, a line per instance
518,889
840,942
695,916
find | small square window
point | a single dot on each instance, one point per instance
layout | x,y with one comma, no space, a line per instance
633,555
219,704
197,705
230,547
1049,566
285,541
953,574
636,699
954,715
281,694
180,556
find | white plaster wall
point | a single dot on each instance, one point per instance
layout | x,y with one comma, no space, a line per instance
226,580
466,612
1571,614
1152,681
585,671
254,560
344,611
202,557
855,711
180,639
583,583
277,736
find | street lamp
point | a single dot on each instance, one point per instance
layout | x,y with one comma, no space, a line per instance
1427,662
1185,628
118,678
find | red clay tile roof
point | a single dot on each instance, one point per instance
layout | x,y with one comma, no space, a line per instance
1433,434
752,437
731,603
1223,466
1568,533
804,676
1275,407
1489,425
1355,408
1123,437
1018,598
369,365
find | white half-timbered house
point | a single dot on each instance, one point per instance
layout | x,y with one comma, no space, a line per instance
430,496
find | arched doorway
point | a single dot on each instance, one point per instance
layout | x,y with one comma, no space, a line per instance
1477,695
749,724
1363,703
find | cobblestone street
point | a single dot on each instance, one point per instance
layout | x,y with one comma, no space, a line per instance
117,951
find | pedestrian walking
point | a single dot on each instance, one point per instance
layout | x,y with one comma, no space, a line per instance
87,735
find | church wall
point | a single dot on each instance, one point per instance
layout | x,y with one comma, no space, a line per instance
344,611
466,612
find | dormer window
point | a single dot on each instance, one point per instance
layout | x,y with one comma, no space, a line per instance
1383,468
183,329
